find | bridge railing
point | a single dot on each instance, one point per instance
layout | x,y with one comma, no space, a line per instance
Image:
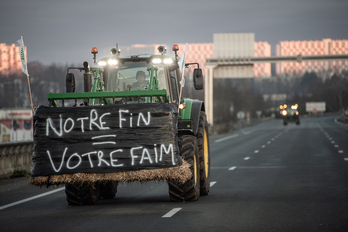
15,156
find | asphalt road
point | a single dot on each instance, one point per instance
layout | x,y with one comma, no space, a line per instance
266,177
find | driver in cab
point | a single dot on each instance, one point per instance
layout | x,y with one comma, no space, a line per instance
141,82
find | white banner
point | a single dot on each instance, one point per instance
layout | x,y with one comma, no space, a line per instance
182,67
22,56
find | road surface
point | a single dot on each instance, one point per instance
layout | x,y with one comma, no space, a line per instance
266,177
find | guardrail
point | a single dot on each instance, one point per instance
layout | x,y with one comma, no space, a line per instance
15,155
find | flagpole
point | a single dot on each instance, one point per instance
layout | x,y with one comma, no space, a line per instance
31,99
180,97
182,82
25,68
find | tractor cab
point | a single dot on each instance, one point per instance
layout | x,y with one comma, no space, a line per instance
142,73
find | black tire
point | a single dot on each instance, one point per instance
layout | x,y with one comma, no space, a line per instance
107,190
204,154
190,190
85,194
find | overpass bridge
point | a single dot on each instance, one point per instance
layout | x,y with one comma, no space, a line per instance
214,63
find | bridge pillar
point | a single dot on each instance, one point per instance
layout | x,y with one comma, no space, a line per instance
208,92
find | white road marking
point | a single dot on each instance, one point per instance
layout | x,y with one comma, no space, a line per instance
212,183
31,198
256,151
171,213
263,146
336,145
340,151
225,138
332,141
345,159
232,168
269,142
246,132
246,158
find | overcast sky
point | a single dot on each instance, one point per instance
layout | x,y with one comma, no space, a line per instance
63,31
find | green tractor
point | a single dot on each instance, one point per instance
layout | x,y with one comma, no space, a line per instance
129,124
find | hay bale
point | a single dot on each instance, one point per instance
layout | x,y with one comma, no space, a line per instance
179,174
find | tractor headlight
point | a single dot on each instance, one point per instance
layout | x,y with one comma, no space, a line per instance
112,62
102,63
167,61
156,61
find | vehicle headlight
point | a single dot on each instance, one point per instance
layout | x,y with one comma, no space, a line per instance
112,62
167,61
102,63
284,112
156,61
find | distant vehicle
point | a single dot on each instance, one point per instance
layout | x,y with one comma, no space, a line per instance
290,114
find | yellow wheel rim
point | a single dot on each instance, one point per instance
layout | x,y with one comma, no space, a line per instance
206,154
195,168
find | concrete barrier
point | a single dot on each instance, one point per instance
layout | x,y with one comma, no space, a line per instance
15,156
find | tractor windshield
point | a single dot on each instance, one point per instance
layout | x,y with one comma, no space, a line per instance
134,76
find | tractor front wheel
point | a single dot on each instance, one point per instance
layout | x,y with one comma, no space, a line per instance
81,194
189,191
108,190
204,154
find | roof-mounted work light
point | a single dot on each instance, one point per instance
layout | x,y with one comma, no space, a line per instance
162,50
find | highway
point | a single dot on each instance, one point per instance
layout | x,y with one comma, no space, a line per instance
266,177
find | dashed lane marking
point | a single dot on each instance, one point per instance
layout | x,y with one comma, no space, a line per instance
171,213
256,151
246,158
345,159
232,168
212,183
340,151
225,138
31,198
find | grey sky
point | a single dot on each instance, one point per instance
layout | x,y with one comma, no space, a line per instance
65,31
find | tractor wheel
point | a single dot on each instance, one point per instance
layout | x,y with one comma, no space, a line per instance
188,191
85,194
107,190
204,154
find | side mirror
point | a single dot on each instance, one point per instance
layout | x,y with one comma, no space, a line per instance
198,79
70,83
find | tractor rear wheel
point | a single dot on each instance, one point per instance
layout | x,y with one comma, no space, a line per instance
107,190
85,194
189,191
204,154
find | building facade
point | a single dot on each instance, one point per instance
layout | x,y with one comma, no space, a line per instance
262,49
10,62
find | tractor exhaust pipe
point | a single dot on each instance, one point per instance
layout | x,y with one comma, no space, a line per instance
87,77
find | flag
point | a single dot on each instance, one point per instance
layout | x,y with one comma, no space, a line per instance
22,56
181,63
